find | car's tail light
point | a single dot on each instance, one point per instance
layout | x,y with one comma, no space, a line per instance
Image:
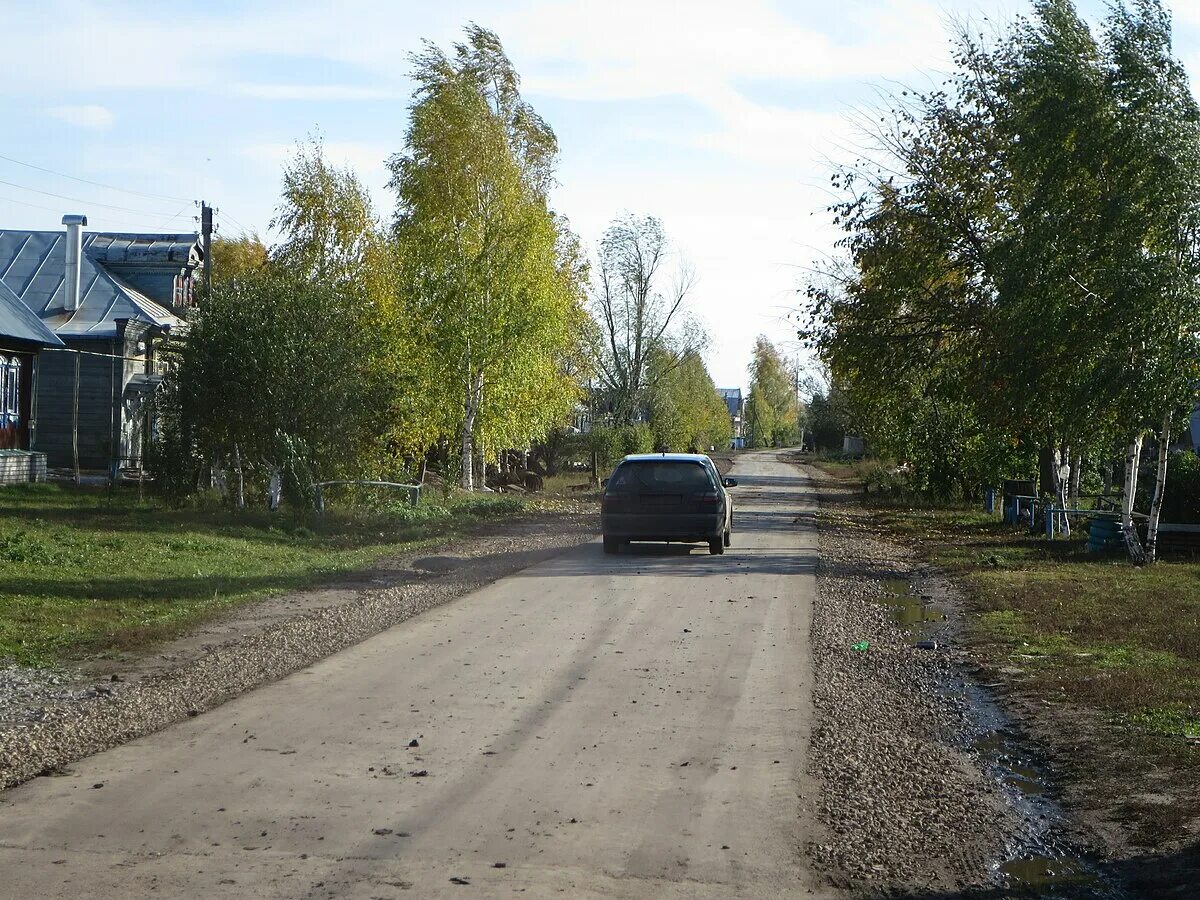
709,499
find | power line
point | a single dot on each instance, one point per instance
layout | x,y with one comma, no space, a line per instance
136,212
58,211
95,183
244,229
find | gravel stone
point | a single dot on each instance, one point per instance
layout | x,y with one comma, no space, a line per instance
907,804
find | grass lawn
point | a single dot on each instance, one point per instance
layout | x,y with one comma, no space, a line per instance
1089,627
1084,628
88,572
1105,655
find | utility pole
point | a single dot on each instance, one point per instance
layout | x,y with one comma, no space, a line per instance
206,230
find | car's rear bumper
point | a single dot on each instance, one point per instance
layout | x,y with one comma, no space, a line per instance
663,527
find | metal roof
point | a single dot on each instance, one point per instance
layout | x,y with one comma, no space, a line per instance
18,321
33,266
117,249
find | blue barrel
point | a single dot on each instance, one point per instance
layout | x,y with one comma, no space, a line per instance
1104,534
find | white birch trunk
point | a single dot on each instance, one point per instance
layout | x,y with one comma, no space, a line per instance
470,417
468,451
1133,545
1064,479
240,498
1160,484
1076,475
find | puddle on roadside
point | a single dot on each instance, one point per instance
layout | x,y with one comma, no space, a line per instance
1042,861
912,612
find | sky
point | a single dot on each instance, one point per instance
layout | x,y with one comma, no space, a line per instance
724,119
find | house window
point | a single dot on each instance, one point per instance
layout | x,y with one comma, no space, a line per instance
10,387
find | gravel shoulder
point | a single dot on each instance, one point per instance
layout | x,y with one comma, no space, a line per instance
49,719
910,806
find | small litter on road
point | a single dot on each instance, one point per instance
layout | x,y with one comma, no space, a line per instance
860,646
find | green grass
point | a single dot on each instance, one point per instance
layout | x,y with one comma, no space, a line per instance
1091,626
87,572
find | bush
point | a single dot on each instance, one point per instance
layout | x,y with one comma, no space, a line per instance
1181,500
637,438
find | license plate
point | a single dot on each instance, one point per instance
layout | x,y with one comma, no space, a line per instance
660,503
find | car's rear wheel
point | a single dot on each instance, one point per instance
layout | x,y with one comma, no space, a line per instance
716,546
611,545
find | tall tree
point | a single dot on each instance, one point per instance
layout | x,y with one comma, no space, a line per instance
286,364
235,257
685,410
1155,217
492,286
1021,272
635,313
772,406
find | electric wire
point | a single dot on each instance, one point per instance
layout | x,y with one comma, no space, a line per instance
137,212
107,219
101,184
58,211
243,228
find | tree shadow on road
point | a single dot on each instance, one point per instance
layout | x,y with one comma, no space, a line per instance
676,560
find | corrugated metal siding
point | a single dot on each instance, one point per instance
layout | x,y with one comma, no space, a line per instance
55,400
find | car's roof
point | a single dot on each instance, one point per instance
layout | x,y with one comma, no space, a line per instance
666,457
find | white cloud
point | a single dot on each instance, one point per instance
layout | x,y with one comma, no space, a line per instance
314,92
88,116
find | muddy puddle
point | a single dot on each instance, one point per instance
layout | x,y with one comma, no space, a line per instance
1042,860
914,612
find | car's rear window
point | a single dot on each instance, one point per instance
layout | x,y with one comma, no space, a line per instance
664,476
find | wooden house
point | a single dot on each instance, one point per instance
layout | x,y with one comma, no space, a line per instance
22,338
111,300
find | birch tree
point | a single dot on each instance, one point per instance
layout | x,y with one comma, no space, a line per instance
772,405
1156,154
493,301
636,302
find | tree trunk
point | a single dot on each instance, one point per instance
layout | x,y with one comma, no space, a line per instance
470,417
467,456
1160,484
1062,480
1076,475
1133,457
240,498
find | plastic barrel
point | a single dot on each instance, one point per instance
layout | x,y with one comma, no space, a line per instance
1103,534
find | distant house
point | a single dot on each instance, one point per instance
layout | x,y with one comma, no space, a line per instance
110,300
736,404
22,337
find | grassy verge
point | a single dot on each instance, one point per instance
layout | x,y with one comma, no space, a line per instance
89,572
1090,628
1078,631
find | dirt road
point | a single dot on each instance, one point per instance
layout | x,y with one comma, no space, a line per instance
628,726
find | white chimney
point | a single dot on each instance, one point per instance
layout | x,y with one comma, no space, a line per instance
74,256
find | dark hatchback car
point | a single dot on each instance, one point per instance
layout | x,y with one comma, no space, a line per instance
672,497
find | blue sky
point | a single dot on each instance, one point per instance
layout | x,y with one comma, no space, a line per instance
720,118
